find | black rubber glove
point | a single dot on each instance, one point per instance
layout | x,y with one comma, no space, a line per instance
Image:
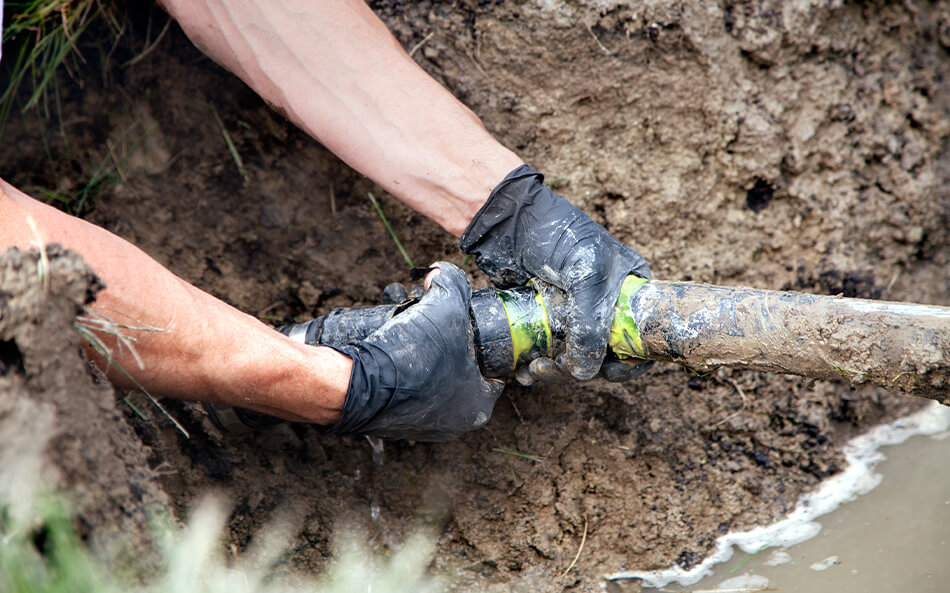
416,377
525,230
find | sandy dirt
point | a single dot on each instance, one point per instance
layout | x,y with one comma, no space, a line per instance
784,145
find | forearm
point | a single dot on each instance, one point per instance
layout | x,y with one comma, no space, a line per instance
336,71
204,349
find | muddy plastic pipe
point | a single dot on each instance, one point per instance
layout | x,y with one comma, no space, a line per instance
900,346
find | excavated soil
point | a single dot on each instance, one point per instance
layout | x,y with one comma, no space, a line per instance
773,144
49,400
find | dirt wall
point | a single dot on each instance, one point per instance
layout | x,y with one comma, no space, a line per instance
51,407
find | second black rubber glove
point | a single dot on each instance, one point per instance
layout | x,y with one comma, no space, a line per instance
525,230
416,377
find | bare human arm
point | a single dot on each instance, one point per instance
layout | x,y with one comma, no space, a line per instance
360,94
210,349
335,69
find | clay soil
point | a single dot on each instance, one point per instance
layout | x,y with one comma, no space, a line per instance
786,145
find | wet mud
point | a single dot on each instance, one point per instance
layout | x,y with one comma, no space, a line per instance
781,145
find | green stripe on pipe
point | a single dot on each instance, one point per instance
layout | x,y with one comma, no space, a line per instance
530,331
624,334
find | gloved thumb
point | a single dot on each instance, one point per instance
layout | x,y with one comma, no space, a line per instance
448,277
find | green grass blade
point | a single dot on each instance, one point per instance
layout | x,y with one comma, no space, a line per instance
227,140
527,456
392,233
99,346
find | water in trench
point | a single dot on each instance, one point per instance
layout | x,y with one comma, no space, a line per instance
881,525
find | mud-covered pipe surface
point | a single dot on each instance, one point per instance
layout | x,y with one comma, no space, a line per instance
900,346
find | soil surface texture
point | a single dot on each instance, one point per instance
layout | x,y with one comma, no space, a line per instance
784,145
49,401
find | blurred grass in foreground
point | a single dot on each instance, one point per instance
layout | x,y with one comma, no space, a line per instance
41,551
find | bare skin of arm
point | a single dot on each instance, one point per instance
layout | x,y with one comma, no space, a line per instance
335,70
208,349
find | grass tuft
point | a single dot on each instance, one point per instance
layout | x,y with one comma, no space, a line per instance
44,35
102,171
41,551
392,233
91,325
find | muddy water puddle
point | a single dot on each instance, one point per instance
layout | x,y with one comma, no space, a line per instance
882,525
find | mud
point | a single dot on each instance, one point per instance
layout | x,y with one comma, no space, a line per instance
771,144
50,400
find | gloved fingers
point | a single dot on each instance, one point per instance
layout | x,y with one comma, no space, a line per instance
395,293
417,376
588,330
491,390
639,265
592,294
617,371
523,376
546,370
540,370
526,230
450,280
582,358
488,393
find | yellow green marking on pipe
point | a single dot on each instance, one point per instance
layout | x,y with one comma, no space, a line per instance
624,333
530,330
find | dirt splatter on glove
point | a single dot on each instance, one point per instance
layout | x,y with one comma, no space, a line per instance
416,377
525,230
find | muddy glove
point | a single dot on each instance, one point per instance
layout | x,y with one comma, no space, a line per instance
525,230
416,377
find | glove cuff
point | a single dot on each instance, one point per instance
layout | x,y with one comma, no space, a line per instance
493,233
495,209
357,409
